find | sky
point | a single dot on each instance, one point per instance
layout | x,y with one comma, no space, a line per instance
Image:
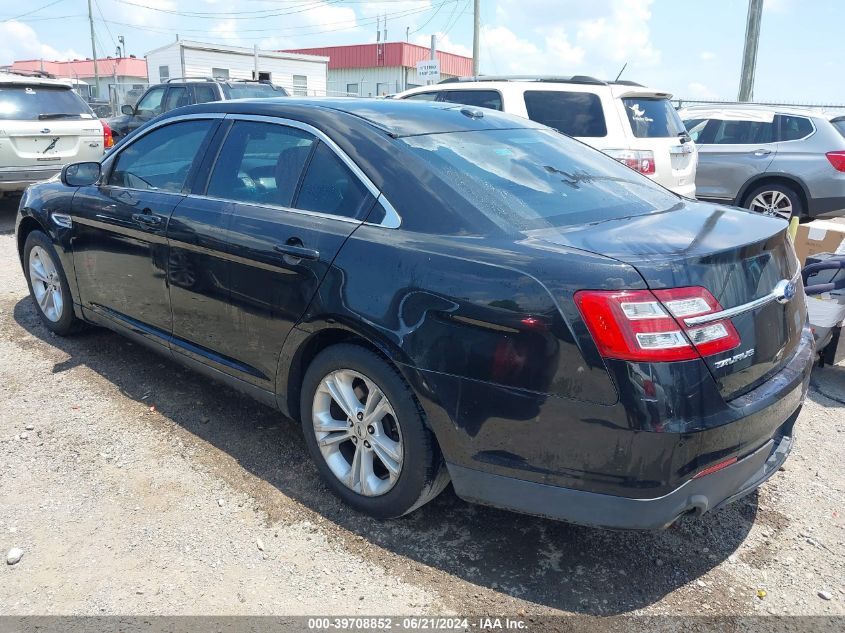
691,48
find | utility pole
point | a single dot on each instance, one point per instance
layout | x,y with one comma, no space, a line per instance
433,53
94,49
749,54
476,33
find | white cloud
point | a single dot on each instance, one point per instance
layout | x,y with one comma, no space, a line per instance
20,41
444,43
707,56
698,90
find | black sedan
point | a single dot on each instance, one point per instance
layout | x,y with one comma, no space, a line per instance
439,292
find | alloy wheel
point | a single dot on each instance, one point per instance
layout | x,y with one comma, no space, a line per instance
775,203
46,283
357,432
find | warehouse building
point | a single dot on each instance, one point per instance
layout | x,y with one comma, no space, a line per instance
369,70
299,74
124,72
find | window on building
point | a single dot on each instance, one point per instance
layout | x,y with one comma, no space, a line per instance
162,159
300,85
163,73
220,73
382,88
260,163
573,113
329,186
263,75
352,89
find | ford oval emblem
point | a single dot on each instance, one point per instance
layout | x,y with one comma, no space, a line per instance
784,291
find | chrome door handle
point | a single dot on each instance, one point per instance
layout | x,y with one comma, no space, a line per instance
294,248
762,152
147,218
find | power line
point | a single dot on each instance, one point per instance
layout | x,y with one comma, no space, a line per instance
103,18
46,6
434,15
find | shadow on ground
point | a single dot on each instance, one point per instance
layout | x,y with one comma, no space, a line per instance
8,211
553,564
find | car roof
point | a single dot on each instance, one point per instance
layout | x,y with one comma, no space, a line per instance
618,89
758,109
395,117
31,80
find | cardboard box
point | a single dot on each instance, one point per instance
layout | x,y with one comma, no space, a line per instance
819,236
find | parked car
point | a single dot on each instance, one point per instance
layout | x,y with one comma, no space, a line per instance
44,125
439,291
175,93
778,161
636,125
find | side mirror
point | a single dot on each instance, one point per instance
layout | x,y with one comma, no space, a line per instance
80,174
127,109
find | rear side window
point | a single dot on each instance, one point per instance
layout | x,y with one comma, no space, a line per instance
793,128
743,132
479,98
177,96
260,163
573,113
652,117
33,103
330,187
204,93
162,159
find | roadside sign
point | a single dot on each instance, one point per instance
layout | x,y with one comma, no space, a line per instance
429,69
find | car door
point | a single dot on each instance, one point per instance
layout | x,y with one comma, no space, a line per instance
176,97
294,202
731,152
119,225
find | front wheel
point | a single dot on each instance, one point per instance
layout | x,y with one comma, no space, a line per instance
775,200
366,433
48,284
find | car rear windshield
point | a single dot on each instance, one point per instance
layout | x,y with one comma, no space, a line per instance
31,103
839,124
255,91
532,179
652,117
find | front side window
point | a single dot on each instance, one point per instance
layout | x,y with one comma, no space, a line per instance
744,132
653,117
329,186
479,98
260,163
150,103
37,102
422,96
793,128
535,179
162,159
573,113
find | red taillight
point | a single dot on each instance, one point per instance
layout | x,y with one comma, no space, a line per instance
108,140
715,468
643,325
837,159
638,160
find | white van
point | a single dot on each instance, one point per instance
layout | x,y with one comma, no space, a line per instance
44,125
636,125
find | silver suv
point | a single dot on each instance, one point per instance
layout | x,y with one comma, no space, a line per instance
777,161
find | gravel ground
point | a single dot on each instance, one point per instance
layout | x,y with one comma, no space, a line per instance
134,486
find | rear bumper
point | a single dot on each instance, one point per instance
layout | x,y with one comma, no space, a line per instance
696,496
687,191
830,207
18,178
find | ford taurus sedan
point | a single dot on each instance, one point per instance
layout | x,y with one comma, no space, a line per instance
442,293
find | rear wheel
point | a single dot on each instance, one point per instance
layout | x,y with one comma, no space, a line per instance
48,284
365,431
775,200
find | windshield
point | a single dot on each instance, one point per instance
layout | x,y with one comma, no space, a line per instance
530,179
255,91
652,117
41,102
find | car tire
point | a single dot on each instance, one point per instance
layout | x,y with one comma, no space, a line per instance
767,199
361,454
48,285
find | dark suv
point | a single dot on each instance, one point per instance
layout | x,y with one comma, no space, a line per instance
176,93
438,291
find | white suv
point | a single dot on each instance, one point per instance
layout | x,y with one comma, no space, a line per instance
44,125
636,125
